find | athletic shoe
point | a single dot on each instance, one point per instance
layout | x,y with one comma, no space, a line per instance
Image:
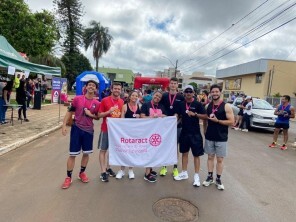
182,176
175,172
208,181
150,178
67,183
104,177
131,174
110,172
284,147
245,130
219,185
83,177
196,182
273,145
120,174
153,173
237,128
163,171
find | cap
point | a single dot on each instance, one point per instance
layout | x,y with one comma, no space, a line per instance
188,87
249,97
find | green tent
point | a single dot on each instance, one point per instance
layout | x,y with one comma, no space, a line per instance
10,57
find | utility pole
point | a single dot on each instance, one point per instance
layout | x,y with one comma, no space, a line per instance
176,68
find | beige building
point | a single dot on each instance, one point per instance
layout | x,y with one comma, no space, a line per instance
260,78
199,78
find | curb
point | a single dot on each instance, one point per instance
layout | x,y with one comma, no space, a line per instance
17,144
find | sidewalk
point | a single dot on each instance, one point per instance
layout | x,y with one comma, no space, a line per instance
42,122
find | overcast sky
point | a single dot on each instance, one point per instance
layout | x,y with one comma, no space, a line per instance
197,33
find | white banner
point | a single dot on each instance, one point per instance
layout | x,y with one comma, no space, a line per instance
147,142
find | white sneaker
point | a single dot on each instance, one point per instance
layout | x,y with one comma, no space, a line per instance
120,174
196,182
131,174
245,130
237,128
219,185
182,176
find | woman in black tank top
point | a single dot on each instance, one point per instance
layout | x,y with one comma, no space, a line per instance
129,110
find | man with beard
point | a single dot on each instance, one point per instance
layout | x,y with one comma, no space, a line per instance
111,106
220,117
82,131
171,101
191,111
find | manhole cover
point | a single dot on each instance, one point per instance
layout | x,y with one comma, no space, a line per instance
175,210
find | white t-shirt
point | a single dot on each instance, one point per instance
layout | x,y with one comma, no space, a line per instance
248,109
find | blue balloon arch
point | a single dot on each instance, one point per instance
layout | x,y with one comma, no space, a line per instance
103,84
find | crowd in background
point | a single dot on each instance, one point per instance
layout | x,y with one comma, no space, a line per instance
25,89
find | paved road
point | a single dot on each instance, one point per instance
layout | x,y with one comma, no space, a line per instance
259,181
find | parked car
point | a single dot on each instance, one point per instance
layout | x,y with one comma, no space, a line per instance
262,113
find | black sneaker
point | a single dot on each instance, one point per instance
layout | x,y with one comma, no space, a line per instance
153,173
208,181
110,172
104,177
150,178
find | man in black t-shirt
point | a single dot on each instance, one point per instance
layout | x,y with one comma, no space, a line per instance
190,138
171,101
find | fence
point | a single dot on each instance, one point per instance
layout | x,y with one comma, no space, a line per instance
277,100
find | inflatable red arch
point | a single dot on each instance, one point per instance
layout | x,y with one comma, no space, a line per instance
139,81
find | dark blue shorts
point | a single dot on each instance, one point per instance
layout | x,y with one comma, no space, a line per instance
80,139
193,141
282,125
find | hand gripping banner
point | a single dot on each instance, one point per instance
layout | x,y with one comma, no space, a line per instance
142,142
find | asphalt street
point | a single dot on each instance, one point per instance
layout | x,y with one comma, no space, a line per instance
259,185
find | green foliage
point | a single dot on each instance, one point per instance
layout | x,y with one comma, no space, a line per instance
97,37
75,64
277,94
31,33
193,84
69,13
49,60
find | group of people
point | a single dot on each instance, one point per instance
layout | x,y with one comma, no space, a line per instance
216,115
284,112
24,89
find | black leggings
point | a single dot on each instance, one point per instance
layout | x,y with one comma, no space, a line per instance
246,119
24,108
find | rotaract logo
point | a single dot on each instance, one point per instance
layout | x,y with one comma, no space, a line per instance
155,139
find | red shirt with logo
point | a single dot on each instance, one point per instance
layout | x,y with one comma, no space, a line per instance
105,106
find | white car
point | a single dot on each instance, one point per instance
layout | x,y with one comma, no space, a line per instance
262,113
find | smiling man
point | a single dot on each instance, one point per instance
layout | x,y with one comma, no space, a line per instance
111,106
86,109
220,117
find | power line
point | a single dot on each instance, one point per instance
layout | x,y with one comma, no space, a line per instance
261,26
248,42
241,36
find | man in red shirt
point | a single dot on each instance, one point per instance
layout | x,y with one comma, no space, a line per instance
111,106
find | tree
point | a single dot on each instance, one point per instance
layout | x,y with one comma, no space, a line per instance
97,37
78,63
49,60
70,12
194,85
31,33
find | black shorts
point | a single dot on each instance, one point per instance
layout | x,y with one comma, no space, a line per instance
193,141
282,125
241,112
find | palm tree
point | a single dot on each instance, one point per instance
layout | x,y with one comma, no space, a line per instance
97,36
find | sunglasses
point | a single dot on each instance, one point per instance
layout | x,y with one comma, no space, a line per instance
188,91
